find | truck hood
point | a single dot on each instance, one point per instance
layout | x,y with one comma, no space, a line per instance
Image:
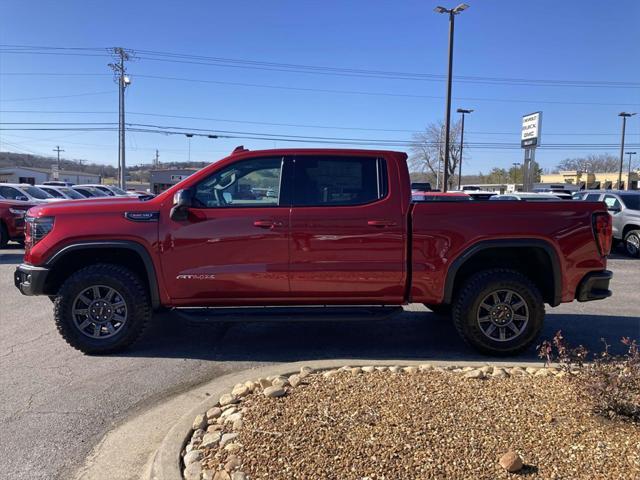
91,205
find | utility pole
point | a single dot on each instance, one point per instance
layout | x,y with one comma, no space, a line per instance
463,112
624,116
58,150
189,137
156,161
123,81
629,174
447,133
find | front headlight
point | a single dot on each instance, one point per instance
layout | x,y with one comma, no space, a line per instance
18,212
37,229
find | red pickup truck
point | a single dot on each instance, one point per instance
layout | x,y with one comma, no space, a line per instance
12,215
321,228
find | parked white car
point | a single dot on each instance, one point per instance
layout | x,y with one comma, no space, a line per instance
61,192
527,196
25,193
110,190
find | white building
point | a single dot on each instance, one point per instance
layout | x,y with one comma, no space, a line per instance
36,176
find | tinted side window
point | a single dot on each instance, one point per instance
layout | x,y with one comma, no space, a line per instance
338,180
592,197
52,192
9,193
247,183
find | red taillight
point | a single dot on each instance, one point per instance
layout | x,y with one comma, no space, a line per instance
603,231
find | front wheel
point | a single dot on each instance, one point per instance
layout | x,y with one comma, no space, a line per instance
499,312
101,309
632,243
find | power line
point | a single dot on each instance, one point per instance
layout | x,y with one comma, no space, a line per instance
325,90
315,69
158,129
250,122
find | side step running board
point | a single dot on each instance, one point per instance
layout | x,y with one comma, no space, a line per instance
272,314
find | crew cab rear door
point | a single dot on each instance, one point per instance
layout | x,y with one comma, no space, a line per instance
347,231
233,248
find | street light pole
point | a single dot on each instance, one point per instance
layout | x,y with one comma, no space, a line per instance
447,133
515,174
624,116
463,112
629,174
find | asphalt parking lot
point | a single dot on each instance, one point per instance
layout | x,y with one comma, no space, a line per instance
56,404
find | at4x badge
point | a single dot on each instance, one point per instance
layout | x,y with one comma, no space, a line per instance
201,276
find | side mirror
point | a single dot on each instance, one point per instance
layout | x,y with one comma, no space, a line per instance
614,209
22,198
181,204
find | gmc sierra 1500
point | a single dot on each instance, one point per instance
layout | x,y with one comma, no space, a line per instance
307,227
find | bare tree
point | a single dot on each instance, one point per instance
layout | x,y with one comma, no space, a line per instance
427,153
602,162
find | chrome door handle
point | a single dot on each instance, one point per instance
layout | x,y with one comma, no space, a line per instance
266,224
381,223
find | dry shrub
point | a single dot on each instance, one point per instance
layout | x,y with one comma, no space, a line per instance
610,382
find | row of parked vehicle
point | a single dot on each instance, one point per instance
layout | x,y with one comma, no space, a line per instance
55,191
17,198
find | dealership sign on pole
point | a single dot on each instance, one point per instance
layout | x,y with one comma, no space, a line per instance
531,130
529,140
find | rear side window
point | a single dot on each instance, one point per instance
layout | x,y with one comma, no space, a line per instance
9,193
52,192
335,181
592,197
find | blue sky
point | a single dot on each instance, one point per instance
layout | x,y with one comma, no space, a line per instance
584,40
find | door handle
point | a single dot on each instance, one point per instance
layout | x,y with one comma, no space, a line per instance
266,224
381,223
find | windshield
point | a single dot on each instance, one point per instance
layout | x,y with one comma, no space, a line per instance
631,201
36,192
69,192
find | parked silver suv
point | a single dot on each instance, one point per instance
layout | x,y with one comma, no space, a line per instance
624,206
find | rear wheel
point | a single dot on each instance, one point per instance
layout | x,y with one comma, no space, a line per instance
499,312
632,243
101,309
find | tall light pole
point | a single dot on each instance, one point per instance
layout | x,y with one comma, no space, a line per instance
452,14
629,174
463,112
515,174
624,116
123,81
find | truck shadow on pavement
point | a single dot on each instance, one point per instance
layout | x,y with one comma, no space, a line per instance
412,336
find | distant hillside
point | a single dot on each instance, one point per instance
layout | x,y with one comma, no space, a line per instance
137,172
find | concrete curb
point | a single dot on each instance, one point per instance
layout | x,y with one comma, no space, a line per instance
166,461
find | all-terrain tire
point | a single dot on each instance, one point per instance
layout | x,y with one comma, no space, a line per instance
632,243
467,311
130,290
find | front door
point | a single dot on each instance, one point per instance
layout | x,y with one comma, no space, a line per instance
347,231
233,248
615,209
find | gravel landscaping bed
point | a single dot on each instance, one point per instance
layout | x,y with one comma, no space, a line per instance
375,423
